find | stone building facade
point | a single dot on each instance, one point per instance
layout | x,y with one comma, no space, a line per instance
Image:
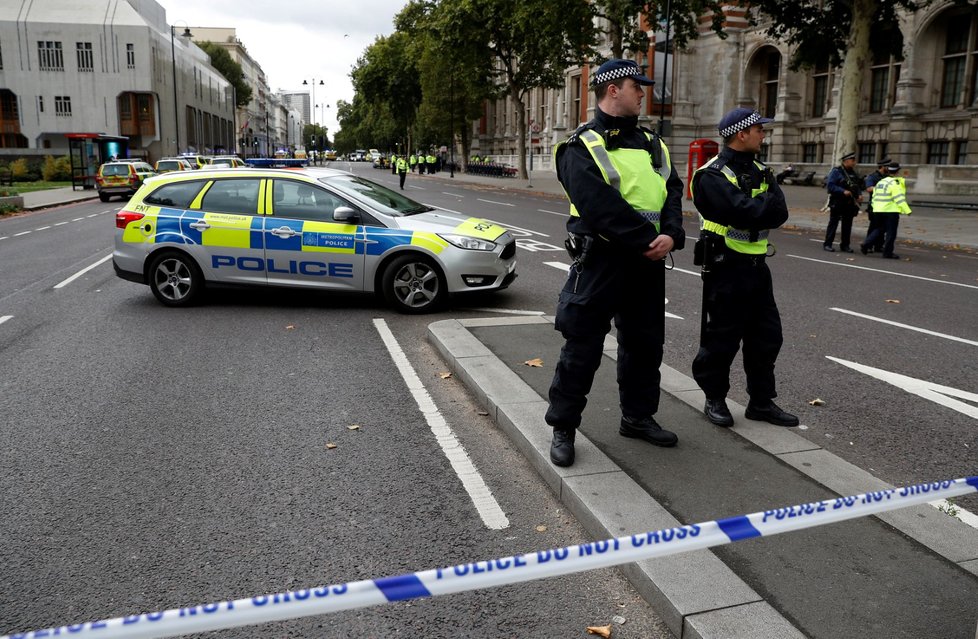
921,110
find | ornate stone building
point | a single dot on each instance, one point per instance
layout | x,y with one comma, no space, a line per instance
921,110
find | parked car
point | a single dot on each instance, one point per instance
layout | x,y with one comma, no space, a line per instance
121,178
165,165
198,161
310,228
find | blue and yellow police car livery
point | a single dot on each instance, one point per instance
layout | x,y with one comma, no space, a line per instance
313,228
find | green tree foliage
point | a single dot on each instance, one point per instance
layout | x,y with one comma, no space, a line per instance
56,169
315,136
231,70
624,29
22,170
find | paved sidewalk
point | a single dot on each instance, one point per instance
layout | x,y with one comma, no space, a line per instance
35,200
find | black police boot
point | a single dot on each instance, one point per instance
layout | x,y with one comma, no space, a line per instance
647,429
864,249
717,412
828,247
768,411
891,256
562,446
846,249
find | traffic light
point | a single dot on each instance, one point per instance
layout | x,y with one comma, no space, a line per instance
313,144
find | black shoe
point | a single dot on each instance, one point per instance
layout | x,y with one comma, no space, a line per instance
648,430
846,249
770,413
864,249
891,256
828,248
562,447
717,412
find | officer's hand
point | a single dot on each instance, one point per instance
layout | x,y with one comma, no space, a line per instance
659,248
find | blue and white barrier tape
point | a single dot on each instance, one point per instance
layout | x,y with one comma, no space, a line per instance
509,570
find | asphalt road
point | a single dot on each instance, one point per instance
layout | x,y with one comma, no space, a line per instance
158,457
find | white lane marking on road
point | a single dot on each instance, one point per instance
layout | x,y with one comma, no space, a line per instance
452,194
906,326
3,238
554,212
4,318
42,228
922,388
879,270
509,311
61,223
21,233
78,219
94,214
492,515
493,202
83,271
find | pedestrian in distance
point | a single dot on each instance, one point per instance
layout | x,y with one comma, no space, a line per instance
845,188
874,220
889,202
402,168
414,162
739,202
625,219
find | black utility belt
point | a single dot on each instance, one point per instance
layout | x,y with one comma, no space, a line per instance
733,257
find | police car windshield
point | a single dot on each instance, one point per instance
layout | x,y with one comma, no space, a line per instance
380,197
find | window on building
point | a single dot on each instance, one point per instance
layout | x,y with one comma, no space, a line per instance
960,152
938,151
40,103
866,153
809,152
957,44
49,56
131,56
820,90
575,112
1,56
62,106
769,86
85,60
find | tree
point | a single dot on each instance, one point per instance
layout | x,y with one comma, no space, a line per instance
625,30
231,70
526,46
838,31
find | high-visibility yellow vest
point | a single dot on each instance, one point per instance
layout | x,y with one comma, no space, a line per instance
735,239
402,165
627,170
890,196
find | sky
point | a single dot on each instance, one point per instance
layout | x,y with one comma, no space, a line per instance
296,40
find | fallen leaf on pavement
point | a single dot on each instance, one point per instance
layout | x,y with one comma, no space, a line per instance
331,446
290,327
353,427
604,631
892,301
541,528
817,402
482,412
536,362
444,375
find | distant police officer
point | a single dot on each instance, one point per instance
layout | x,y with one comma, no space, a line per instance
874,220
889,202
626,217
739,201
844,188
401,165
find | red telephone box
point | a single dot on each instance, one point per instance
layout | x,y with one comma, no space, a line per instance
700,151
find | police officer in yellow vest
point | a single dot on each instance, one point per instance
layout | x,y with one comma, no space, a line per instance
889,203
739,202
401,165
626,216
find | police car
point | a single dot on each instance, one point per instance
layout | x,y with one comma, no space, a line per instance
313,228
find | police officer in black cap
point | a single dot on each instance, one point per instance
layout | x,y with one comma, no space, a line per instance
739,202
626,216
844,188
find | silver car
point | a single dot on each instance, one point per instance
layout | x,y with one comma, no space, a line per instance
310,228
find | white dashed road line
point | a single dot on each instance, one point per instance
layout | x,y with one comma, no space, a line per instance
879,270
4,318
83,271
492,515
21,233
494,202
554,212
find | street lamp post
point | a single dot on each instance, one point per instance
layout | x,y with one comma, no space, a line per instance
176,112
312,83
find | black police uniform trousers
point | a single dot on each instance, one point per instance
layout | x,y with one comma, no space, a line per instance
630,290
403,174
886,232
844,212
740,308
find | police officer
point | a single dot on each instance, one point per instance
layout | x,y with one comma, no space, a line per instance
626,217
889,202
739,201
874,220
430,161
402,168
844,188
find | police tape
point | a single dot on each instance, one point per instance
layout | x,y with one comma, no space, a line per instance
505,571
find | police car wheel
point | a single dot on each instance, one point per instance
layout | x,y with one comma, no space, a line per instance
104,197
413,284
175,279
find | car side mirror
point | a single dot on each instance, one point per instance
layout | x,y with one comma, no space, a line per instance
345,214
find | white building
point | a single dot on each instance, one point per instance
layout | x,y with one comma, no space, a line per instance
109,67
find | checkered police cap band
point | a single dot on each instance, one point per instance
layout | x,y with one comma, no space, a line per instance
742,125
615,74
